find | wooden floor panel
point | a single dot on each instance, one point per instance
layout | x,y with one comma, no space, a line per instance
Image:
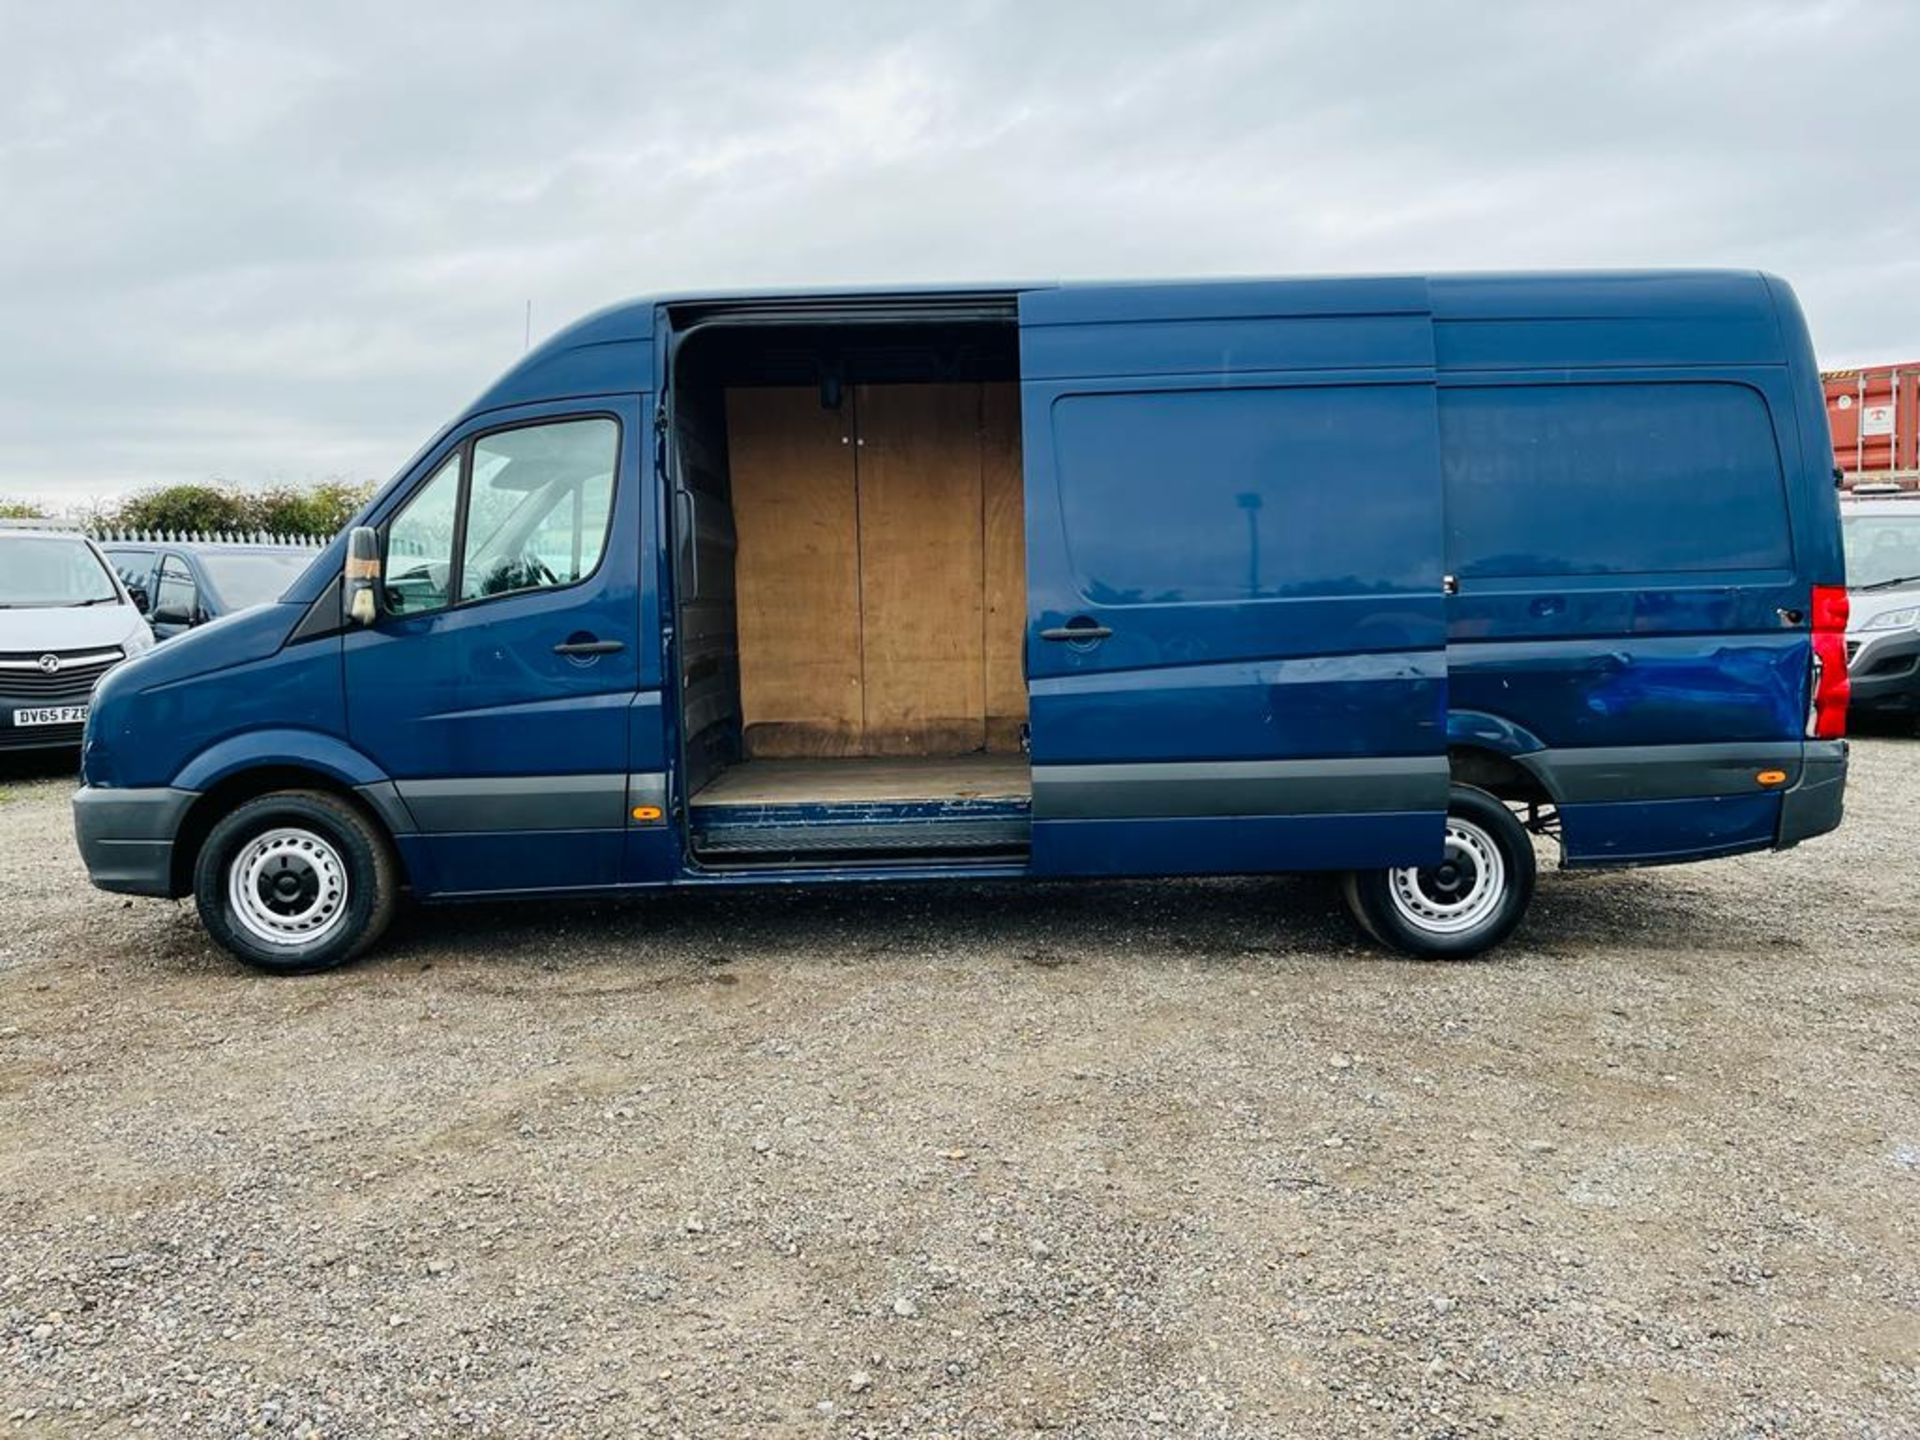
799,782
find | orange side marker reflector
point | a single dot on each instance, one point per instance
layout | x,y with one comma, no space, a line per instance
647,812
1772,777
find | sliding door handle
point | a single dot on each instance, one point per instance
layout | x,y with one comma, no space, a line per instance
1080,629
589,647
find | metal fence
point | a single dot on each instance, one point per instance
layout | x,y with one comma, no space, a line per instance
112,536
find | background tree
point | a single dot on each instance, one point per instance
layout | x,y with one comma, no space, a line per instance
321,509
183,507
21,510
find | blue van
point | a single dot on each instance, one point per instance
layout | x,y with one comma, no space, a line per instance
1381,576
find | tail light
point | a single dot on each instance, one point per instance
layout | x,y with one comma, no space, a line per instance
1827,718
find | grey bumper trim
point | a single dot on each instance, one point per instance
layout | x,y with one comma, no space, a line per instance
647,788
384,797
1605,774
492,803
1814,806
126,837
1240,787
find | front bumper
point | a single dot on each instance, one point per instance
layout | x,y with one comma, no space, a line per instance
1813,806
1884,673
17,739
126,837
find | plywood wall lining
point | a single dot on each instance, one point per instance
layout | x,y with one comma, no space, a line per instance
881,569
922,571
796,573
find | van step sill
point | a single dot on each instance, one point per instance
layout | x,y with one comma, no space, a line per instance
875,827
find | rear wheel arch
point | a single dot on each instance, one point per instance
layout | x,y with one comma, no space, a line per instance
1506,777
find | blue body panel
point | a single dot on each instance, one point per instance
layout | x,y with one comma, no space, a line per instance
1680,655
230,688
1653,832
1246,483
1230,844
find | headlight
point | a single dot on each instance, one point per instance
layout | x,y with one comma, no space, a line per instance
1894,619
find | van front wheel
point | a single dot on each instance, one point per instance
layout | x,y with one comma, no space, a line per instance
295,881
1467,903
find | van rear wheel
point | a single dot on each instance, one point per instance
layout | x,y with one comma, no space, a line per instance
295,881
1467,903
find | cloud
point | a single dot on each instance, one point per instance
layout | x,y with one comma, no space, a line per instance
291,241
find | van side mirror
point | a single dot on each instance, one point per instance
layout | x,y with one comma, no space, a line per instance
359,596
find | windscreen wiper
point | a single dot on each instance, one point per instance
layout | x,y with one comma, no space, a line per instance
1889,584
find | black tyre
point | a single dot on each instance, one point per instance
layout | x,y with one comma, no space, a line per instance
295,881
1467,903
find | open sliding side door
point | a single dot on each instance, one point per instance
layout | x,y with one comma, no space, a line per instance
1236,644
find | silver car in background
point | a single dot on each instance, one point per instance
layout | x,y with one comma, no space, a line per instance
1882,536
65,621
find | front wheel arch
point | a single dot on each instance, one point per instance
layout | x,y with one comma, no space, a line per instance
221,800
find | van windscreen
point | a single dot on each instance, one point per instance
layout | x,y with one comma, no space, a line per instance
44,572
1881,549
254,577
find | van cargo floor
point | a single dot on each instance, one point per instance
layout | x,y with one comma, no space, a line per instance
776,808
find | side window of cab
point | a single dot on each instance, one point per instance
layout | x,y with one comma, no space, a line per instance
513,510
419,559
177,599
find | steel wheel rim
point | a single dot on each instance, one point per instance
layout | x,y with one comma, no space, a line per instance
288,888
1464,890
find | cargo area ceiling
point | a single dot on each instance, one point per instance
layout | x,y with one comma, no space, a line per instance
739,354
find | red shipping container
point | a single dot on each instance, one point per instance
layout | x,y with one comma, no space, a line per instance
1874,415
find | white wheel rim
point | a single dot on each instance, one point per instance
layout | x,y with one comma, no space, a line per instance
1464,890
288,888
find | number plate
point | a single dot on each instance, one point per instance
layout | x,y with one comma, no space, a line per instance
52,715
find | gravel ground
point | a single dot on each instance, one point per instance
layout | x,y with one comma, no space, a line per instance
1177,1159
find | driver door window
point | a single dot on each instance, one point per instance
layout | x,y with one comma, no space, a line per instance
512,511
538,505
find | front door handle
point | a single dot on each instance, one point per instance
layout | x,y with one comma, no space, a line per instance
588,647
1078,630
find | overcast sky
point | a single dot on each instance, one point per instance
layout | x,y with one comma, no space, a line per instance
283,242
